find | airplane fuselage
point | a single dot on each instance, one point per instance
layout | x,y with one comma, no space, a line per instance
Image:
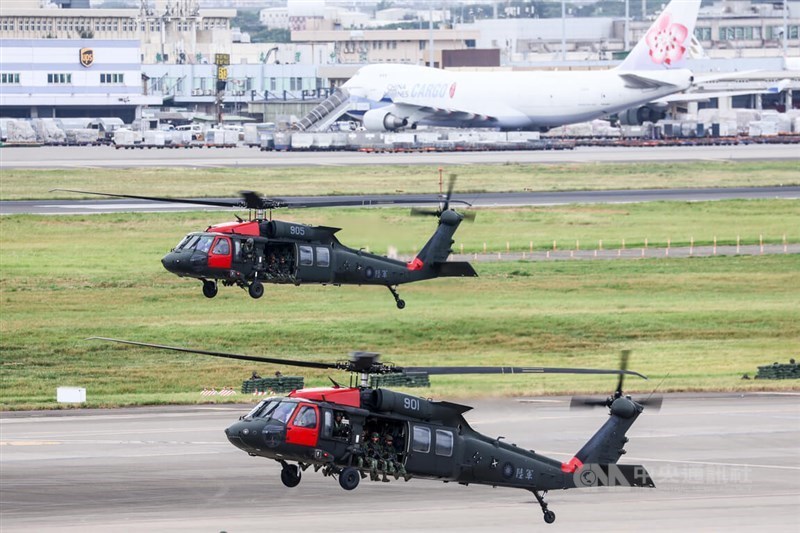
509,100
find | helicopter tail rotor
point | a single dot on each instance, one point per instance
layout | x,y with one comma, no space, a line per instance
653,401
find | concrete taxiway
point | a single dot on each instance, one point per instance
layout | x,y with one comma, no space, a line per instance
109,157
721,462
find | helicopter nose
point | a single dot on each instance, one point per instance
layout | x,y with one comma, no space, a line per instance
170,262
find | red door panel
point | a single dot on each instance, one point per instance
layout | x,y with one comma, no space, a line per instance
303,428
220,254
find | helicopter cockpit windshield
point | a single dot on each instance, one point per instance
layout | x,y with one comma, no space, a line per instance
274,409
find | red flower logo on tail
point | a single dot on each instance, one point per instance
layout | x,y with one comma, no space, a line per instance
665,40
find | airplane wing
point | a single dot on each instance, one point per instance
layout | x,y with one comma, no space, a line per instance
703,96
420,110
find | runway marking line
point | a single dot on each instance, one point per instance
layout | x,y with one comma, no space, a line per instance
29,442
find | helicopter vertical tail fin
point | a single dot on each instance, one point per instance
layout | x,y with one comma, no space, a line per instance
607,445
595,464
439,246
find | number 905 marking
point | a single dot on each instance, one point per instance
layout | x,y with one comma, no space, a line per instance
297,230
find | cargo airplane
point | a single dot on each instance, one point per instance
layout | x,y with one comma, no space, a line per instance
404,96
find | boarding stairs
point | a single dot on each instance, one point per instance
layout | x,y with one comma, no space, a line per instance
327,112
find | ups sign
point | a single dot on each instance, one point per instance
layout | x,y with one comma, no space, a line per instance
87,57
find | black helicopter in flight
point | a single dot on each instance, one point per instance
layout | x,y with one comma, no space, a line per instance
355,432
260,250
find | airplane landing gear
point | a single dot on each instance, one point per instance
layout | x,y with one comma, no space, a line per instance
209,288
290,475
400,303
549,516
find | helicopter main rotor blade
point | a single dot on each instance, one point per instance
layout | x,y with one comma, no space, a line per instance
456,370
218,203
251,200
272,360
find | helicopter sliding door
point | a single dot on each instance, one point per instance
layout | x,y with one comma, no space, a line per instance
431,451
314,263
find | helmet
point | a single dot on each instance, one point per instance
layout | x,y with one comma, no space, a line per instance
376,435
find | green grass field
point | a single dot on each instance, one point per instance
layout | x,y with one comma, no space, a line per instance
383,179
698,323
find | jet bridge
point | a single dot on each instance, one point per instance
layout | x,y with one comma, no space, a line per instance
329,111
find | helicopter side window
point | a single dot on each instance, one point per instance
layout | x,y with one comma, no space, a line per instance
283,411
444,443
223,247
306,418
421,441
204,243
323,257
306,256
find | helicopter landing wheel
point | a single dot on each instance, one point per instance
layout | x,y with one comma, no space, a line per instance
209,289
256,290
549,516
349,478
400,303
290,475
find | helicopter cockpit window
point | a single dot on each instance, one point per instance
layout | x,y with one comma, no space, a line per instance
306,418
444,443
188,242
323,256
283,411
306,256
223,247
263,409
422,439
204,243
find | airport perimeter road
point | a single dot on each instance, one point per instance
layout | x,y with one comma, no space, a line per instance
108,156
63,207
720,463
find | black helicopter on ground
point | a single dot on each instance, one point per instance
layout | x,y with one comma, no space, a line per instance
260,250
329,429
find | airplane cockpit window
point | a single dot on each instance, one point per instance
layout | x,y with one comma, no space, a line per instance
204,243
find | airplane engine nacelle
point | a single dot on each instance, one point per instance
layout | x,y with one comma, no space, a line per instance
383,120
636,116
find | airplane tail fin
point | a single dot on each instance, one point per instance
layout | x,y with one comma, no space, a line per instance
666,44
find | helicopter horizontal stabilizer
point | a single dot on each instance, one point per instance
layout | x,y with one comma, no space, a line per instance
613,475
455,269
